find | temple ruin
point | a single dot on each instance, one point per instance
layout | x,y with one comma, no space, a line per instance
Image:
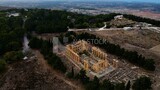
88,57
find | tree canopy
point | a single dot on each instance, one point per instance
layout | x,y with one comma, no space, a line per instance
2,65
142,83
45,48
53,21
11,33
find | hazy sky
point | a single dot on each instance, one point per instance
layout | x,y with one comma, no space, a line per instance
152,1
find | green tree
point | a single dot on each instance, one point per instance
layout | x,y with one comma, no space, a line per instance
2,65
71,74
107,85
35,43
13,56
83,77
119,86
93,85
142,83
128,85
14,46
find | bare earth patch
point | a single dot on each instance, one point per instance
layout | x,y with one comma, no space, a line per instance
156,50
141,38
35,75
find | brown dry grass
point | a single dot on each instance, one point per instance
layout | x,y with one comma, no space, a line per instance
35,75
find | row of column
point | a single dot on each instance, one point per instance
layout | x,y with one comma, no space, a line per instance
86,66
72,55
99,66
98,53
115,63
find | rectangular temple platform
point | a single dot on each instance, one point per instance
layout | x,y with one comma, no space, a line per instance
90,58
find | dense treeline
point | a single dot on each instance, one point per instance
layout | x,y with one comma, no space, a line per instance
11,37
13,56
52,21
45,48
85,21
11,33
141,19
2,66
131,56
142,83
48,21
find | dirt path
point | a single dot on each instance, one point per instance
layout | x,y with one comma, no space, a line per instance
156,49
58,74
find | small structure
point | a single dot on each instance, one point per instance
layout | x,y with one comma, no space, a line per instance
118,17
25,58
115,63
127,28
13,14
134,67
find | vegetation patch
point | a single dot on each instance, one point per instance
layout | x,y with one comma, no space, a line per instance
46,49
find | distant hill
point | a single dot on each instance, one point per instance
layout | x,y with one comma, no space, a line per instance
147,10
82,4
4,8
